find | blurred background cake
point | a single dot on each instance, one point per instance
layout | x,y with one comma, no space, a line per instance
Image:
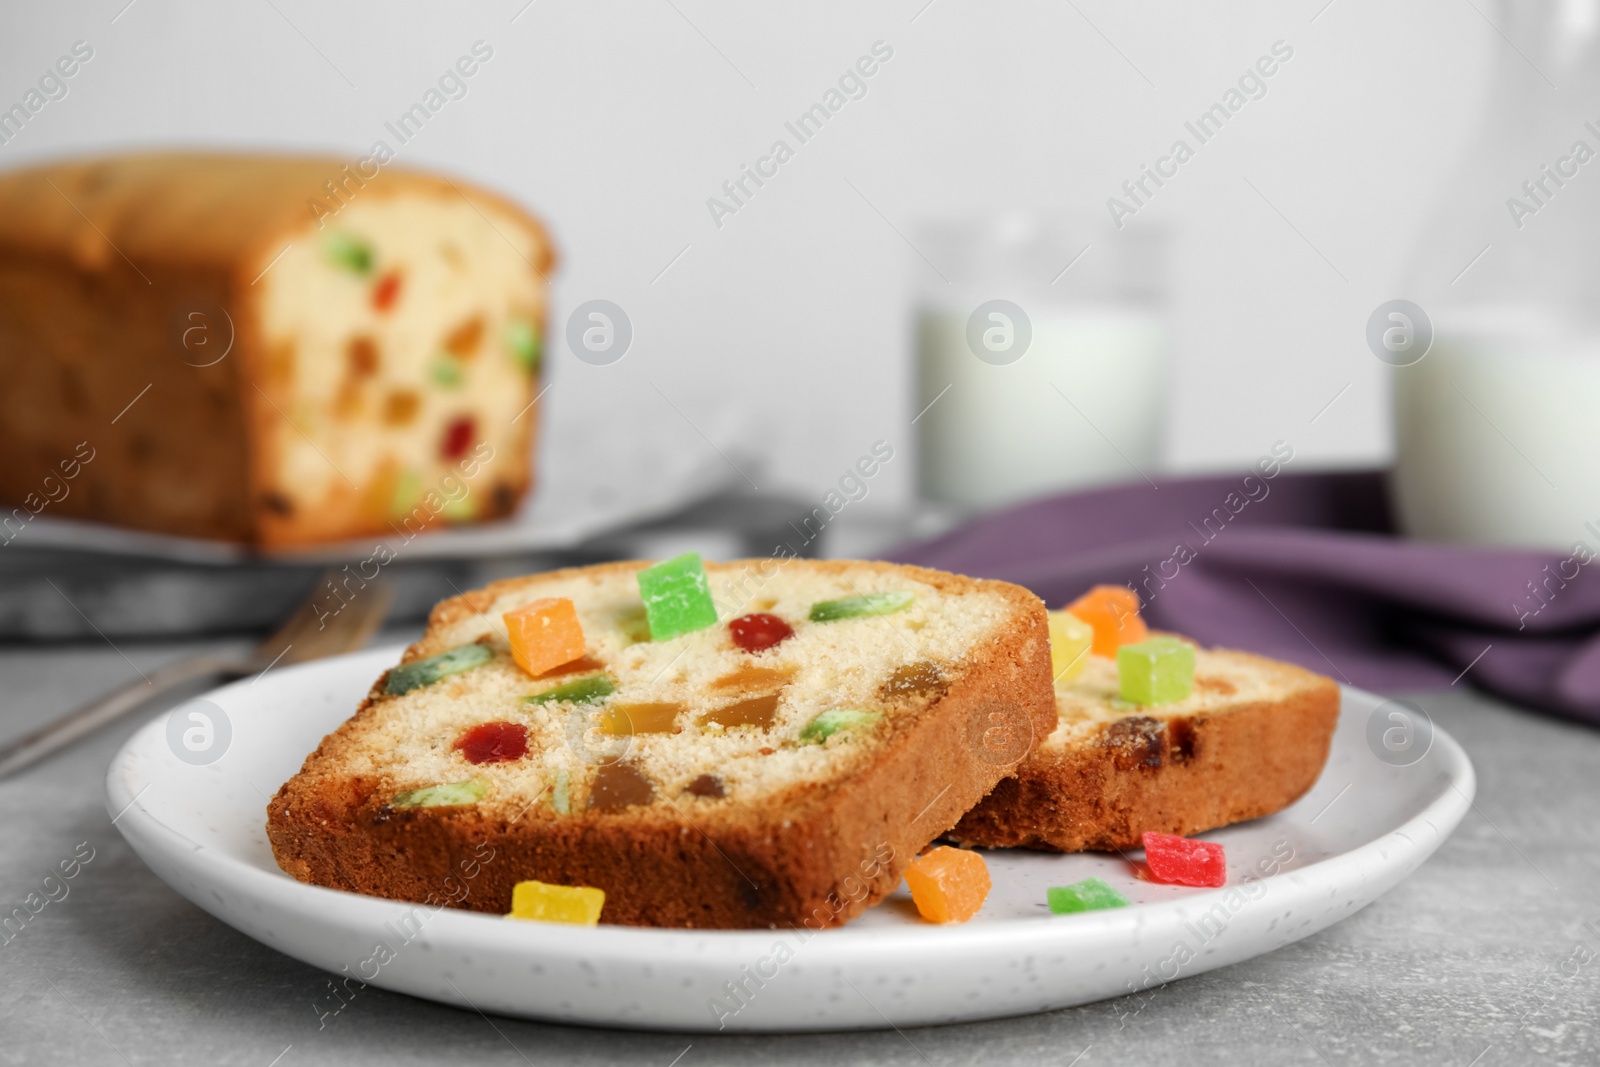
279,351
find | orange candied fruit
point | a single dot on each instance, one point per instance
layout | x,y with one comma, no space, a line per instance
545,634
948,885
1113,611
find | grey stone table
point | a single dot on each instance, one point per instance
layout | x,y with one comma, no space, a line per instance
1488,955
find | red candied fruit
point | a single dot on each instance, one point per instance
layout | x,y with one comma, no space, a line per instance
493,742
458,437
759,632
1180,861
386,291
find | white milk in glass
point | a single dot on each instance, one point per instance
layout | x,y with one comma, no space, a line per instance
1497,427
1497,433
1083,406
1084,402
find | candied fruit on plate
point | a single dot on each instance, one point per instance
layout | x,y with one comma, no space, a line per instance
543,902
1182,861
948,885
1091,894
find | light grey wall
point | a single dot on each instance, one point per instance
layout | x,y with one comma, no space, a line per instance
782,335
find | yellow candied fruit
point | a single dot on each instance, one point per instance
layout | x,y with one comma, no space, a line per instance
542,902
1070,641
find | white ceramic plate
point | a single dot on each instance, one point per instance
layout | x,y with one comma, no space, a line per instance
1365,826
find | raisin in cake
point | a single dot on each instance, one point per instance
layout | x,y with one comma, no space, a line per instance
242,361
1250,739
698,784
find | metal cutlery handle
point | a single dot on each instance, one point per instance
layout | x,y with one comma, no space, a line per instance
54,736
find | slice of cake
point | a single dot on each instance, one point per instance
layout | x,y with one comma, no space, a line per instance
1249,739
795,733
265,349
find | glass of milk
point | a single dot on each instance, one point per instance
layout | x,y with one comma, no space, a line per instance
1041,359
1497,420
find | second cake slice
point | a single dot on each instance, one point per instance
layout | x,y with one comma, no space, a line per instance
700,780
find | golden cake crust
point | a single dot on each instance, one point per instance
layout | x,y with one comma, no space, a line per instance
1098,783
816,852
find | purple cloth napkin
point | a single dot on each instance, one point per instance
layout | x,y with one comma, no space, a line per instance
1308,568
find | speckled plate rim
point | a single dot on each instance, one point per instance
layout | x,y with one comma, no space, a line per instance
884,970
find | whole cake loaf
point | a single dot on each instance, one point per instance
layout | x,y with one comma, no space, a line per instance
278,351
776,756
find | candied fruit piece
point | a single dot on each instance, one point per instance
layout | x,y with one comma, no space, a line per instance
1113,611
421,672
385,292
831,722
758,711
349,251
400,407
407,494
545,634
458,437
561,793
448,795
625,720
523,340
746,679
589,690
462,509
1091,894
1070,641
856,607
709,786
759,632
493,742
1157,671
463,341
619,785
677,597
948,885
1180,861
543,902
446,371
915,679
361,354
582,665
346,250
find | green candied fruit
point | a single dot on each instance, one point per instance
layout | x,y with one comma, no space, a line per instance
677,597
407,494
446,371
348,251
561,793
831,722
856,607
587,690
462,509
448,795
526,347
418,673
1157,671
1091,894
